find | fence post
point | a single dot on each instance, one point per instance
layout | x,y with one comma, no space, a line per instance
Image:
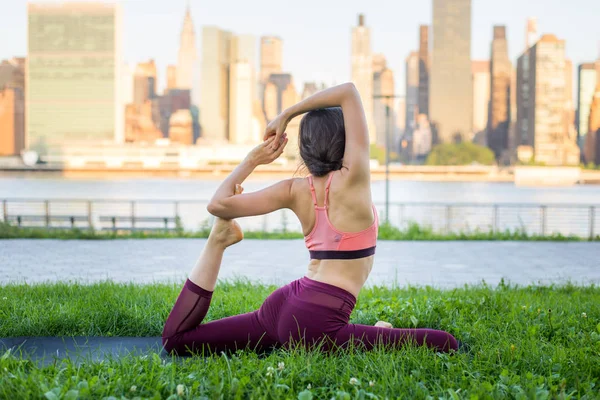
19,221
265,222
5,210
284,221
495,219
72,222
133,214
89,214
114,224
176,210
47,207
448,219
543,221
592,217
400,215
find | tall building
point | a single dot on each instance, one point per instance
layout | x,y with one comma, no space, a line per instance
242,87
424,69
499,108
569,108
450,91
362,70
12,73
586,87
144,82
271,57
383,108
188,54
181,127
481,101
531,32
73,74
171,77
12,120
12,106
412,91
541,98
214,100
591,147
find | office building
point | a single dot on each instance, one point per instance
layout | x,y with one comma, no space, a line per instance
83,67
591,147
586,88
362,70
383,108
481,100
171,77
214,100
541,99
499,117
424,69
531,32
412,90
73,74
450,90
271,57
187,55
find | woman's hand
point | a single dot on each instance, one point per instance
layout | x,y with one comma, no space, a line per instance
268,151
277,127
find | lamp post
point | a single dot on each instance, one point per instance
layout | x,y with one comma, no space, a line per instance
387,150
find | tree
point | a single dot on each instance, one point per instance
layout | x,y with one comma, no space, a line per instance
460,154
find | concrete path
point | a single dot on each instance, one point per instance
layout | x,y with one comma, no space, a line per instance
441,264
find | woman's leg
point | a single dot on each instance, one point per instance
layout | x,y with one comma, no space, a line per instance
183,331
369,336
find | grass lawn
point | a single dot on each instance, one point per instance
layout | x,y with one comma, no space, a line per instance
525,342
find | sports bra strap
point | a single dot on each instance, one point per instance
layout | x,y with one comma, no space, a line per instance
327,188
312,190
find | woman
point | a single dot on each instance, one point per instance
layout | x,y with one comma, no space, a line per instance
340,225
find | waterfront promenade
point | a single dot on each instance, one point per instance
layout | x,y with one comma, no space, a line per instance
441,264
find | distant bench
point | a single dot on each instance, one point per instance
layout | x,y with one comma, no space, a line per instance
168,223
46,220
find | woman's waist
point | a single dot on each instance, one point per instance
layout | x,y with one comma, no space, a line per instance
349,275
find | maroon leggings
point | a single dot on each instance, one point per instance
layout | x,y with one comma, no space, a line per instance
305,311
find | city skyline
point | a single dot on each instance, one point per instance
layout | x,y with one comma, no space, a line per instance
393,37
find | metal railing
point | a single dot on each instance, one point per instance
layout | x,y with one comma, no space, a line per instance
581,220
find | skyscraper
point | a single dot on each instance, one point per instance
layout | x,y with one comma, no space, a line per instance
362,70
424,69
541,97
188,54
481,100
592,139
12,106
383,108
214,101
73,74
171,77
586,87
412,91
271,57
450,93
498,120
242,88
531,32
144,82
12,120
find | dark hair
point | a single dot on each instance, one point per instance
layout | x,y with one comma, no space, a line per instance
322,140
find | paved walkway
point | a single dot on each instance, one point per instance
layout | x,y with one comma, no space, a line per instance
442,264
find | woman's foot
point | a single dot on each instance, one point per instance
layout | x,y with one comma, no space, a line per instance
226,232
383,324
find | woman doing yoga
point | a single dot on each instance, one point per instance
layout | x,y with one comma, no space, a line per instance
340,224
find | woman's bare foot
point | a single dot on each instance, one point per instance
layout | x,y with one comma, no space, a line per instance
383,324
226,232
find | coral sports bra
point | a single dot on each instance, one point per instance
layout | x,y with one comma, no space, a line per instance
325,242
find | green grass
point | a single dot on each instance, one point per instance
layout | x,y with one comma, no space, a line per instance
386,232
525,342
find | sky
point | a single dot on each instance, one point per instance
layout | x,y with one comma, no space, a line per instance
316,33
